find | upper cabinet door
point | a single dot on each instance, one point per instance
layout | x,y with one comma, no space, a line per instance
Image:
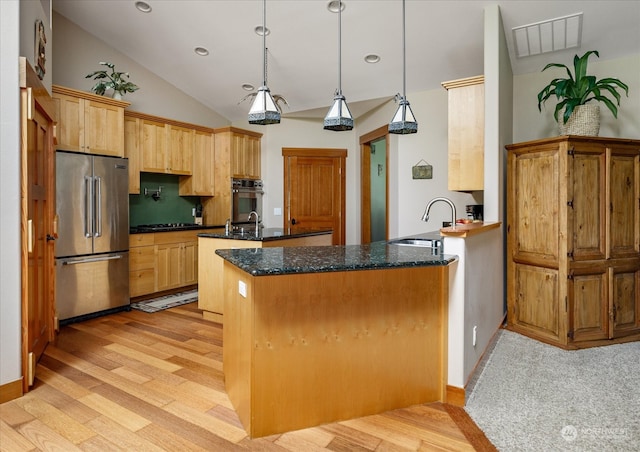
104,128
587,201
624,202
70,128
466,133
153,146
89,123
180,153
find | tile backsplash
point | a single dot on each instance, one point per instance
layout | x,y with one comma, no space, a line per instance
170,208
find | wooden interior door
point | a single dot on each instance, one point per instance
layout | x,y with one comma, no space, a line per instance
38,210
314,190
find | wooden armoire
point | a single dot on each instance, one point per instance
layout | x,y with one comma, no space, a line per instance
573,240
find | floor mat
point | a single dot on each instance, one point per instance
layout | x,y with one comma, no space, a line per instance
166,302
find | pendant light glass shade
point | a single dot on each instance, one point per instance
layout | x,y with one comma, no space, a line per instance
263,110
339,116
403,121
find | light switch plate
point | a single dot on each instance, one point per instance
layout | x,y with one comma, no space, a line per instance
277,211
242,288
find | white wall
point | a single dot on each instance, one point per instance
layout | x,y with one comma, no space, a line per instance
10,363
530,124
78,53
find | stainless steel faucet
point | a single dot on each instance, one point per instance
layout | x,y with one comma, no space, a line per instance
425,216
253,212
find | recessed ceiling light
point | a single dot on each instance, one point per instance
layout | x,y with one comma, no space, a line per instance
248,87
548,36
143,7
372,58
202,51
259,30
333,5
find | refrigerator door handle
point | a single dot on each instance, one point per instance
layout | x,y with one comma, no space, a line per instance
98,207
88,206
92,259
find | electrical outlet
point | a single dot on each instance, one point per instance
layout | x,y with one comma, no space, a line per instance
475,333
242,288
193,212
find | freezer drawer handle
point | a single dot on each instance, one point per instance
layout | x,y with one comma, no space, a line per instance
94,259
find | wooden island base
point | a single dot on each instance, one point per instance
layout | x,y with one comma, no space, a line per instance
302,350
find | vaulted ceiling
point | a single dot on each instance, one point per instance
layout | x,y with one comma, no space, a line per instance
444,41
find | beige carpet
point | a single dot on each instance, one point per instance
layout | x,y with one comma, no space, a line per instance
535,397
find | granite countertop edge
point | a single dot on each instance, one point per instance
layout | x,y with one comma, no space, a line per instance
266,234
339,258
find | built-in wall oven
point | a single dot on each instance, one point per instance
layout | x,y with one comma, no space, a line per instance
246,197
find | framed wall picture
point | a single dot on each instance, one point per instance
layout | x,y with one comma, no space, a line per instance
40,49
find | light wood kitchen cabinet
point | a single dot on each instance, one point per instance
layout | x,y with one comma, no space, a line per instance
160,145
245,154
162,261
237,155
132,152
180,151
153,146
210,285
89,123
201,182
142,265
573,240
466,134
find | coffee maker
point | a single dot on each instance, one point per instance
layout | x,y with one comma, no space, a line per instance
475,212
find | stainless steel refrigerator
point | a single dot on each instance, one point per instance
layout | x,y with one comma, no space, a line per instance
92,248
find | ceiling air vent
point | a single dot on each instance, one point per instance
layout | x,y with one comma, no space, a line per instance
548,36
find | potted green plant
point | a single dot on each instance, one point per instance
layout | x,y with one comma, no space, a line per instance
114,80
574,92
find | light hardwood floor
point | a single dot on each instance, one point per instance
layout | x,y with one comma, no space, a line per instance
144,382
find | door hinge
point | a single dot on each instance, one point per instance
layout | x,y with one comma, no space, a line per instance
570,254
570,203
570,276
572,151
566,304
614,312
570,334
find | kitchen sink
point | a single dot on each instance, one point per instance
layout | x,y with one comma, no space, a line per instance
427,243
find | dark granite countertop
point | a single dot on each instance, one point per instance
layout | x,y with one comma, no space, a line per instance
316,259
266,234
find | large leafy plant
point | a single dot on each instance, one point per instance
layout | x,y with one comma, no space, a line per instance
114,80
580,88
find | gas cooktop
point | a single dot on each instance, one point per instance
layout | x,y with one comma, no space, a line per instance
164,227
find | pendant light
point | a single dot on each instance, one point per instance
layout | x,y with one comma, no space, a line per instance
263,110
403,121
339,117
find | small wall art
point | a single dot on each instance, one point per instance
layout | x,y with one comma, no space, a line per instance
40,49
422,170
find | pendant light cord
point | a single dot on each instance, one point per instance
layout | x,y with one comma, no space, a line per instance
264,40
404,57
340,47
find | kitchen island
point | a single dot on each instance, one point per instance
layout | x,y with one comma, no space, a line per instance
321,334
210,266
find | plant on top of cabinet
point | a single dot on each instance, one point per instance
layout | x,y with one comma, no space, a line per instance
574,92
114,80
